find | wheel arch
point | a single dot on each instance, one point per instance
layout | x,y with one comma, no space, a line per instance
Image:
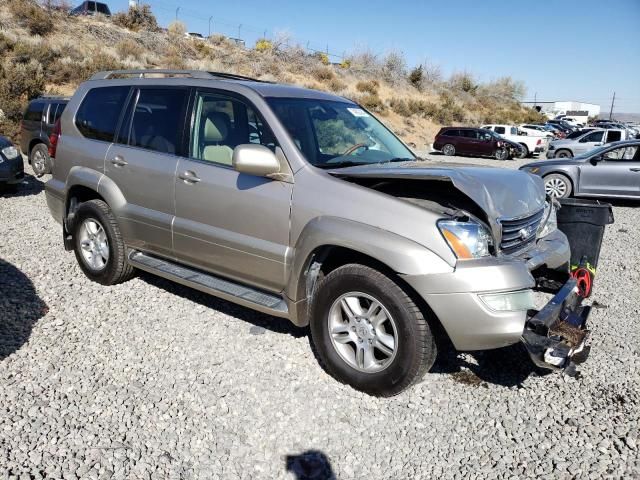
327,243
565,174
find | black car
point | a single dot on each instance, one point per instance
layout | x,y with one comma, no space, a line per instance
37,124
11,166
91,8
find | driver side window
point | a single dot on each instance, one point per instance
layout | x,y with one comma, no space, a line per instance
593,137
622,153
222,123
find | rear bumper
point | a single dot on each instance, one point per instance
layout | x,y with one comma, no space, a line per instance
556,337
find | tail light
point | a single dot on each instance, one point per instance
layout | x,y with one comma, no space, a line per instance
53,139
539,142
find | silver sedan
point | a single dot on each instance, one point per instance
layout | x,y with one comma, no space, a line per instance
609,171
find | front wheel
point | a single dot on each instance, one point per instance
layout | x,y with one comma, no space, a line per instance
524,152
502,154
368,333
564,154
557,186
39,159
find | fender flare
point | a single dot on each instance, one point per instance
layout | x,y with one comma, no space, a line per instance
400,254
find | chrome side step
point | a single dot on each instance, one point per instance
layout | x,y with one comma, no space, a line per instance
247,296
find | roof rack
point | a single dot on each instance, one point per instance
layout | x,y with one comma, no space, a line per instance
111,74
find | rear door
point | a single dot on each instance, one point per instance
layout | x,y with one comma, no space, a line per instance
230,223
142,162
613,136
31,125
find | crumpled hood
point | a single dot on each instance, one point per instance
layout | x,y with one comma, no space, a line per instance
500,192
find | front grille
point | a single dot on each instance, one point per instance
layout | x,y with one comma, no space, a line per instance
518,233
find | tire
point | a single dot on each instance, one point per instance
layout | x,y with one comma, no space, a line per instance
39,160
379,372
103,244
449,150
557,185
525,151
501,154
563,154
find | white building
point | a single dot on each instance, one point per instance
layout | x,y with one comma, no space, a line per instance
581,111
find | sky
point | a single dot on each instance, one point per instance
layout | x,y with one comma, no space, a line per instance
583,50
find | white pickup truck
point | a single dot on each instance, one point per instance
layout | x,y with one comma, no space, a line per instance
530,144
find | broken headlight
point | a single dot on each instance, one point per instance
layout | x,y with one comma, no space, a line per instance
550,222
467,239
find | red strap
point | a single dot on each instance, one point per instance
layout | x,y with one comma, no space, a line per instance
584,281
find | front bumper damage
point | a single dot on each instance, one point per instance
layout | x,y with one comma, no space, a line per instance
557,337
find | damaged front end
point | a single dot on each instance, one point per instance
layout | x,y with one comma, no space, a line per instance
556,337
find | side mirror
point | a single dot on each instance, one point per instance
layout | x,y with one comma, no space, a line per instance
594,160
254,159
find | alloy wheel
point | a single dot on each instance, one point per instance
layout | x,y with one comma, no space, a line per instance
363,332
555,187
94,244
39,162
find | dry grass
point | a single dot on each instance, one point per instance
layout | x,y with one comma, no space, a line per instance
413,102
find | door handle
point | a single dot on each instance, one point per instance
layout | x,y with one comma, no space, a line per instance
189,177
635,169
119,161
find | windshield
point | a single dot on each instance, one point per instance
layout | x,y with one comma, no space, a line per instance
337,134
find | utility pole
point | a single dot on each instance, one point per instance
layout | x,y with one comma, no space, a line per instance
210,18
239,32
612,102
177,10
535,99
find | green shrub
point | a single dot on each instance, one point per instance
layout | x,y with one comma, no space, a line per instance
19,82
416,76
336,85
345,64
32,16
40,52
323,57
137,18
400,106
6,44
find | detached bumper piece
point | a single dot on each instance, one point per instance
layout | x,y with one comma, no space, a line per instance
556,337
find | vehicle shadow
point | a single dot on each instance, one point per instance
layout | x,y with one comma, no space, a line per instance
507,366
30,186
257,319
310,465
20,308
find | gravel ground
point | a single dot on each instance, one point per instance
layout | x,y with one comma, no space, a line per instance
152,380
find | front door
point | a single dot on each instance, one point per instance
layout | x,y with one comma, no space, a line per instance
617,174
142,162
588,142
230,223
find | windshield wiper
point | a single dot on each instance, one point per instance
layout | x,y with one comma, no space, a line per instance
329,166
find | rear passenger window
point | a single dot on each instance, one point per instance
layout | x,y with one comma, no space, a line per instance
452,133
34,112
499,130
58,111
613,136
158,119
98,115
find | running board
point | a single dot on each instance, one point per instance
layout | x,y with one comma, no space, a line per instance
247,296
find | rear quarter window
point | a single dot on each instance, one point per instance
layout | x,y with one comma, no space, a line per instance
98,114
34,112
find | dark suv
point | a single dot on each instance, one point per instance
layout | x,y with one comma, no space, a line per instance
36,127
91,8
474,141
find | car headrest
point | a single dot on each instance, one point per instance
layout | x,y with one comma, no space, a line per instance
216,127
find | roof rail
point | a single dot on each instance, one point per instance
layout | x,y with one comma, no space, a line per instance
109,74
144,73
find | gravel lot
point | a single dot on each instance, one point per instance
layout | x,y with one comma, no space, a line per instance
152,380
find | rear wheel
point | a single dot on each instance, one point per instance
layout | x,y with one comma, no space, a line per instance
557,186
98,244
368,332
449,150
524,153
39,159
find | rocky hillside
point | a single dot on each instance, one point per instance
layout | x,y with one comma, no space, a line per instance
46,51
